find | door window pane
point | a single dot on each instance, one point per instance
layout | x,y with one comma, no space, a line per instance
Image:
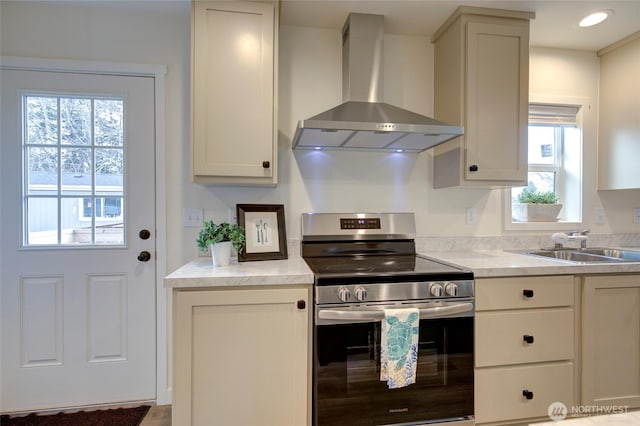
66,159
75,121
42,219
42,120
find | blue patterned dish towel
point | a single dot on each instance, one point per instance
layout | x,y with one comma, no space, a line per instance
399,347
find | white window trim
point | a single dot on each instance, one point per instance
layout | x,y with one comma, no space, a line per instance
508,224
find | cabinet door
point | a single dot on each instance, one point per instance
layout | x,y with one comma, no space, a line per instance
611,341
241,357
233,89
517,337
500,392
619,115
497,83
524,292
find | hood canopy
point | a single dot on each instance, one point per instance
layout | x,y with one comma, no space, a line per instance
363,121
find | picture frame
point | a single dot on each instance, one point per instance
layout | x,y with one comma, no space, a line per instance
264,230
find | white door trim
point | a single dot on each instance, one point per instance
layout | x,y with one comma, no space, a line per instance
158,72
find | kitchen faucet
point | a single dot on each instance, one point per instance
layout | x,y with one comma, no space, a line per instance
560,238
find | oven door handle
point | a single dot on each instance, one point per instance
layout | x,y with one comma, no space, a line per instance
378,314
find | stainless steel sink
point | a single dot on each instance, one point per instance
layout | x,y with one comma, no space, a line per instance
585,255
625,255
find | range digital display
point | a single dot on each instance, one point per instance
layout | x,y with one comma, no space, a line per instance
360,223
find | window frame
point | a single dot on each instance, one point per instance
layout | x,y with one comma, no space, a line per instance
583,105
60,196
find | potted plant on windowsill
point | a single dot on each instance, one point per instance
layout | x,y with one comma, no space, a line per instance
219,238
535,206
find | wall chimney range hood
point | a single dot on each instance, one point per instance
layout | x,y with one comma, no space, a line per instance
363,122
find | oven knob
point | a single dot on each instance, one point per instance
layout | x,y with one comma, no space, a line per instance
451,289
436,289
361,293
344,294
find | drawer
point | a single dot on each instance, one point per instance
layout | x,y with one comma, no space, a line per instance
500,336
499,391
524,292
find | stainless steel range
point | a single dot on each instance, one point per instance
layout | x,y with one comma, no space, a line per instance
364,264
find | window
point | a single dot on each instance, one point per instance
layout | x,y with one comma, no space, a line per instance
73,150
555,158
105,208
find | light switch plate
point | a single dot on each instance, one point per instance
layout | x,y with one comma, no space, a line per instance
192,218
471,215
636,215
601,218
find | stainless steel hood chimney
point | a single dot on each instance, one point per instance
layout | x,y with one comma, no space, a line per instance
363,121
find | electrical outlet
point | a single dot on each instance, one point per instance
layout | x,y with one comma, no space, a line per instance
192,218
601,218
471,215
636,215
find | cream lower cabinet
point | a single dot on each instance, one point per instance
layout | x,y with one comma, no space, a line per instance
242,357
524,342
611,341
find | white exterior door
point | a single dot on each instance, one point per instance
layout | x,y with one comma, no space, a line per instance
77,268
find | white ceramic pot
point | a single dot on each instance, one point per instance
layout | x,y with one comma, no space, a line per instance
536,212
221,253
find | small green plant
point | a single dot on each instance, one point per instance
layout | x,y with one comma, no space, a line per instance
531,196
211,233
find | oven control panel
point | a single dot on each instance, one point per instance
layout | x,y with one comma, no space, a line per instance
357,293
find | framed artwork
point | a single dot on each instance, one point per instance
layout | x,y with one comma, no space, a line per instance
264,231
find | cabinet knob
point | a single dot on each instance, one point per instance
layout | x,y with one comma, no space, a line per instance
527,338
473,168
266,164
301,304
527,293
527,394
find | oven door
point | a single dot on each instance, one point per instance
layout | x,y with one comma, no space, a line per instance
347,386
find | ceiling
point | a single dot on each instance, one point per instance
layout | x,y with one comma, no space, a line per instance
555,25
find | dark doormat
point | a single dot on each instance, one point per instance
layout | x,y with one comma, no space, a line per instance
114,417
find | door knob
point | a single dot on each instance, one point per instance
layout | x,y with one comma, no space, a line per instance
144,234
144,256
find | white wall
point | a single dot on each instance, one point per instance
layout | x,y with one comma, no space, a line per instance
309,75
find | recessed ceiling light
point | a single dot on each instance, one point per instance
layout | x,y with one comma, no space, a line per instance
595,18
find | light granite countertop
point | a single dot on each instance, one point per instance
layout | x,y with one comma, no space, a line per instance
201,273
294,271
501,263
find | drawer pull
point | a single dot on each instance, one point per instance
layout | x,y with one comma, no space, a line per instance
527,338
527,394
527,293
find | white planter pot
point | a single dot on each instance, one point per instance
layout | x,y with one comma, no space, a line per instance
221,253
535,212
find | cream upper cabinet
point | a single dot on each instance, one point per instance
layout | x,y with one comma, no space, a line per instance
242,357
234,90
619,115
611,341
524,347
482,84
